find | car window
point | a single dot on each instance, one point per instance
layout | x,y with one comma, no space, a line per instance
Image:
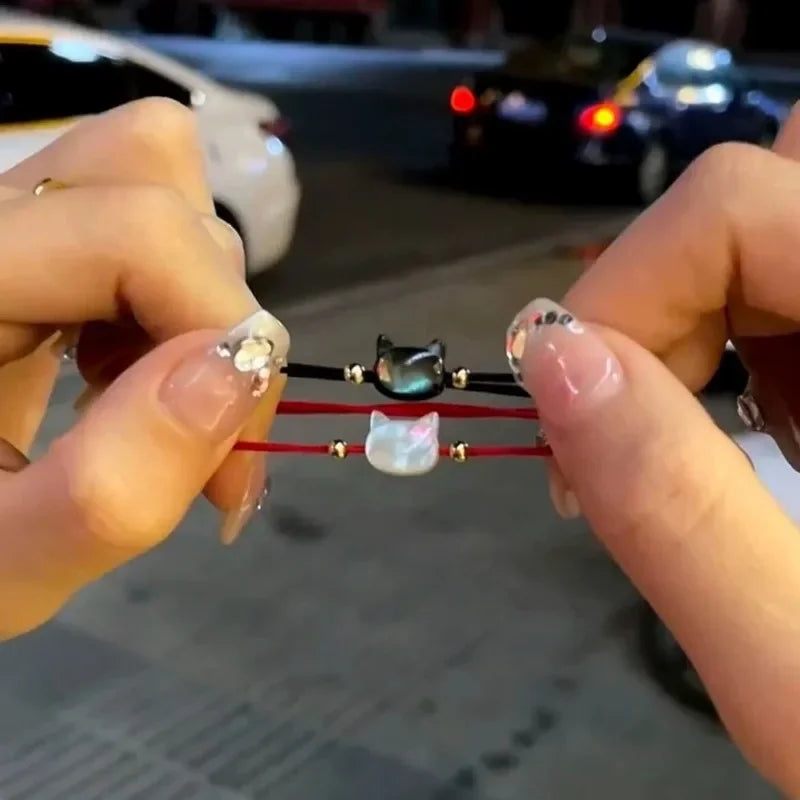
148,83
67,78
695,64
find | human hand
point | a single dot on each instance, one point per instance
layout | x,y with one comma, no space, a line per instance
673,499
130,262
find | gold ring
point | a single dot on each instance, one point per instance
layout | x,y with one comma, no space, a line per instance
48,185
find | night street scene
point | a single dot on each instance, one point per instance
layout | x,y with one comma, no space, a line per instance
417,169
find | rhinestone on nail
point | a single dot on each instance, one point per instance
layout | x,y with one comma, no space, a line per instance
515,341
252,354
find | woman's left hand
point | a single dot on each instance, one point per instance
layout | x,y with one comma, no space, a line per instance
149,142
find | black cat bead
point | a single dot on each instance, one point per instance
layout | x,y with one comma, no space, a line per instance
409,373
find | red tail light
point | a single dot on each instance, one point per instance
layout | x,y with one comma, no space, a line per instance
600,119
275,127
462,100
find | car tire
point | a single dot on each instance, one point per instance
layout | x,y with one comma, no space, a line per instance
653,173
467,169
670,667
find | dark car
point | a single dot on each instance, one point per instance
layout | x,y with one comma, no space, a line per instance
609,100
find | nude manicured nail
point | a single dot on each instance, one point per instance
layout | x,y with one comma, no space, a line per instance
251,467
564,500
565,365
213,393
254,497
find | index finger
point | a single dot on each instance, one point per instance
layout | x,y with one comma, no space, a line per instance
148,141
713,257
115,252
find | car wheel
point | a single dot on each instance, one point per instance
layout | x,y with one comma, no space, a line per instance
670,667
653,173
467,169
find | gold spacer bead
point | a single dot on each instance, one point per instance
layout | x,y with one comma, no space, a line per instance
47,185
460,378
338,448
354,373
459,452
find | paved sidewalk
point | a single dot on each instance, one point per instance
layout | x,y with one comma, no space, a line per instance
370,638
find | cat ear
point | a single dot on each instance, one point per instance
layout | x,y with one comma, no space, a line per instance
430,421
437,347
376,419
384,344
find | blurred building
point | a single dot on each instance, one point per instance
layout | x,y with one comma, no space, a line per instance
756,24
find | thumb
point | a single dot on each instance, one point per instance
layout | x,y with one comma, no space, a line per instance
122,479
679,507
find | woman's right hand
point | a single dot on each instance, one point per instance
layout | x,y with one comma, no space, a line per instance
130,256
671,496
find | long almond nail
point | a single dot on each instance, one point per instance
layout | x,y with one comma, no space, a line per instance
565,365
252,466
564,500
212,394
255,494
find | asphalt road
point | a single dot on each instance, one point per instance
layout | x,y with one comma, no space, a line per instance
369,638
370,134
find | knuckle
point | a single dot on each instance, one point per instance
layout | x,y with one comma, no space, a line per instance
670,501
152,219
724,170
161,127
102,511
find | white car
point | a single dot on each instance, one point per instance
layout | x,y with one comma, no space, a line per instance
52,74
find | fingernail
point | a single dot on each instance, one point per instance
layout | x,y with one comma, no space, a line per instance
564,500
258,428
213,393
565,365
255,496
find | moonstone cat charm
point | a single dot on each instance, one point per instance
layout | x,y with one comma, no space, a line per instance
403,447
409,373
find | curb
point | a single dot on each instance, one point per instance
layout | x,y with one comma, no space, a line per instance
444,274
438,276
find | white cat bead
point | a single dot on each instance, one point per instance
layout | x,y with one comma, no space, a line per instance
403,447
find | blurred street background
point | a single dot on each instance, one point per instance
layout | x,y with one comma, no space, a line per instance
375,639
